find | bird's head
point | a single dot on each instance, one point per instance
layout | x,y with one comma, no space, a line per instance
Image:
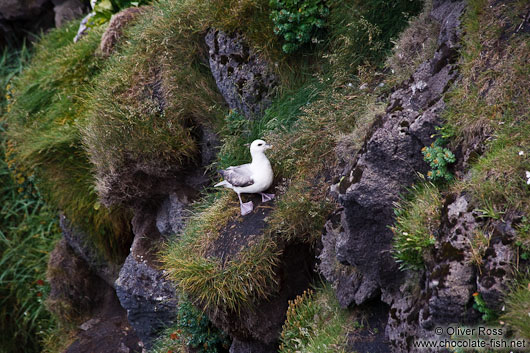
259,146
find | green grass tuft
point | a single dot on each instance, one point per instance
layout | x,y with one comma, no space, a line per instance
517,308
315,323
417,223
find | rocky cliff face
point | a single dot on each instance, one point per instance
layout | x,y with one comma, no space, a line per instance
384,168
357,241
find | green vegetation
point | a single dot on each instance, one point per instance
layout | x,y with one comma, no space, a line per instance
480,305
438,158
298,22
11,63
477,109
517,308
28,231
315,323
415,45
191,329
104,9
45,109
417,222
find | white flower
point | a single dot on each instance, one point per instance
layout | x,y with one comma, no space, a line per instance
527,177
521,153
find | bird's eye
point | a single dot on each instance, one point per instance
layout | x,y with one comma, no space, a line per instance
260,144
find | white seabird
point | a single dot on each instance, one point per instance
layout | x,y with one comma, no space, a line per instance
250,178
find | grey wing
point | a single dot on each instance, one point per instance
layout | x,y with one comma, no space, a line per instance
238,176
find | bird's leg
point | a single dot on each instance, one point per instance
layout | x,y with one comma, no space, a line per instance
246,207
266,197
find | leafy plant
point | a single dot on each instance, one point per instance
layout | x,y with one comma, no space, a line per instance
480,305
198,332
104,9
191,331
298,21
439,158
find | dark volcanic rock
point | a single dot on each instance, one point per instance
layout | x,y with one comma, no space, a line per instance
251,347
170,218
447,284
107,331
244,79
67,10
150,299
387,164
451,273
19,18
497,269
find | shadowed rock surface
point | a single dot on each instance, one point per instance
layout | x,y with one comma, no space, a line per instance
80,244
150,299
20,18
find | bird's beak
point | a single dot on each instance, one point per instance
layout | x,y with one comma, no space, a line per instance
267,146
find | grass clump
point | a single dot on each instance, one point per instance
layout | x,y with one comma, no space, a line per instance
414,46
417,224
28,231
488,107
46,108
517,307
315,323
215,285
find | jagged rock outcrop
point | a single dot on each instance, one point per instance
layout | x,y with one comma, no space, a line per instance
387,164
142,288
496,270
244,78
357,242
67,10
150,300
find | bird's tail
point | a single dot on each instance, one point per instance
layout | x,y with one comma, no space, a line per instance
224,183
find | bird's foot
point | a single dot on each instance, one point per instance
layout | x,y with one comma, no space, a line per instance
246,208
266,197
